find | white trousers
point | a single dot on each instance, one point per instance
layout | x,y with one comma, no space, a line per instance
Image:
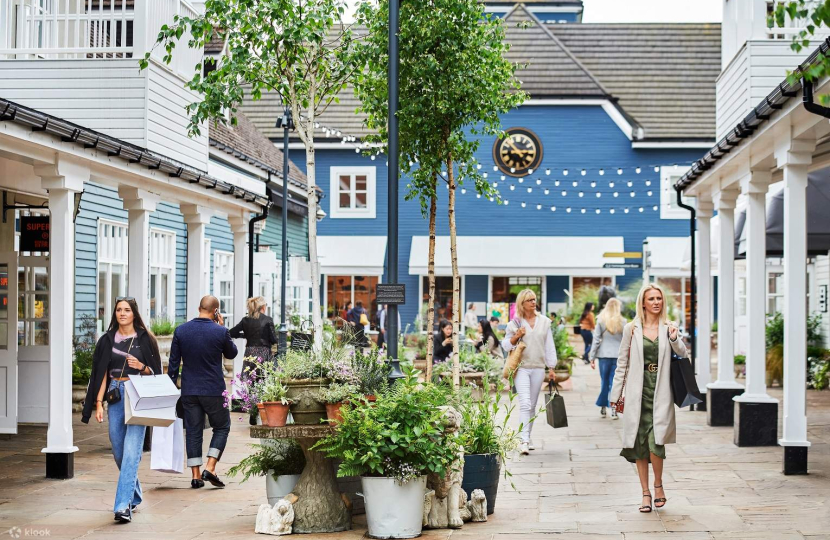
528,385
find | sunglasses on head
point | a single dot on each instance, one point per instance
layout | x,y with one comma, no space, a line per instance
123,298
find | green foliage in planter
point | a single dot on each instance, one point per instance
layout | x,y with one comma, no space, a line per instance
371,371
740,359
162,327
581,296
482,430
304,365
818,375
775,362
715,326
83,350
282,456
340,392
564,350
400,435
775,330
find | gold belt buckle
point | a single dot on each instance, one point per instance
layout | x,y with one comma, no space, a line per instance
652,368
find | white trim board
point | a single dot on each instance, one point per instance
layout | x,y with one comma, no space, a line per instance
666,144
610,109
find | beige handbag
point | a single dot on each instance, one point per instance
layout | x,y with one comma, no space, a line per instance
514,359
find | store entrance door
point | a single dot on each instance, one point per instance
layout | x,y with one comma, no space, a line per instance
8,344
33,287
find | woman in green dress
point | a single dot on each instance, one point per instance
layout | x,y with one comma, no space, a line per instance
643,378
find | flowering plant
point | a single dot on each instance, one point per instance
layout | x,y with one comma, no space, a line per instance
247,384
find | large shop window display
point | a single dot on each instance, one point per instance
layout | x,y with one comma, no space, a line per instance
505,290
340,290
443,300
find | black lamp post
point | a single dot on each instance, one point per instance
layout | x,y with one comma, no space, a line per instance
286,123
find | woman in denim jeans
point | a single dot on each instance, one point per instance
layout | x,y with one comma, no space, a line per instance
127,348
606,347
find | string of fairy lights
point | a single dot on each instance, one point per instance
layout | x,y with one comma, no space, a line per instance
566,186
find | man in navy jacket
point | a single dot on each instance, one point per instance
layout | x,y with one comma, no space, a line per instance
199,346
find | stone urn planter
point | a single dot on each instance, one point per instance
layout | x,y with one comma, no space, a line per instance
306,396
78,397
561,375
164,348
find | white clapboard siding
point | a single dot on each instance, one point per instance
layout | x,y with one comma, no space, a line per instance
106,95
732,90
822,270
167,119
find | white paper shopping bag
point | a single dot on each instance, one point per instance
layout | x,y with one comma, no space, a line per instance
153,392
167,450
150,417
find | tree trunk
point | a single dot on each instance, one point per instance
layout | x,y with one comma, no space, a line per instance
431,279
316,318
456,281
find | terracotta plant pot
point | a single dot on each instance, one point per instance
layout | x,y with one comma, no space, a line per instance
333,411
277,413
306,396
263,415
370,398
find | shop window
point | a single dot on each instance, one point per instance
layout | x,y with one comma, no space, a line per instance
443,300
162,274
681,302
223,283
32,306
775,293
505,291
591,282
353,192
741,297
340,290
206,269
112,268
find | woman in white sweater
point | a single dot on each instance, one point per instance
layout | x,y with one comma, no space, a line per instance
534,329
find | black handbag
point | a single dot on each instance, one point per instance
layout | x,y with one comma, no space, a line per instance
683,383
555,407
113,395
577,330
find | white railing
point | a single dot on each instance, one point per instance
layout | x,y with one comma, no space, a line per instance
60,29
791,27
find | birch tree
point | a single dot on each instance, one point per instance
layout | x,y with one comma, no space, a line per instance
299,50
454,83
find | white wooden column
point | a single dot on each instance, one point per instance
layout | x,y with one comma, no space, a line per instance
239,227
63,180
755,187
139,204
725,205
196,217
794,156
704,293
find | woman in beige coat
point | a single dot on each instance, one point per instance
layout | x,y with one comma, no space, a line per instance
648,420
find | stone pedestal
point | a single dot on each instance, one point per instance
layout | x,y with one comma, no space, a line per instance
756,423
720,409
795,460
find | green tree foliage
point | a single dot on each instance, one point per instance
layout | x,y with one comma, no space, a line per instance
813,15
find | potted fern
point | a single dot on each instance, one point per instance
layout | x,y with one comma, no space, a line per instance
280,461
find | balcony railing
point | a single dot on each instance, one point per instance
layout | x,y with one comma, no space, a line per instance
791,27
91,29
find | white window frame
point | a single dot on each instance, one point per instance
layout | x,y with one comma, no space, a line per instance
371,193
668,196
223,272
111,254
772,297
163,262
206,266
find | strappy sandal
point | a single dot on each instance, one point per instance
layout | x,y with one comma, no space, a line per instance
646,508
660,500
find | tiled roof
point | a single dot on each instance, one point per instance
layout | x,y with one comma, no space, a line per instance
663,74
548,67
245,142
216,43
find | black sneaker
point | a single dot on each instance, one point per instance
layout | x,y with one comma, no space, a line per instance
123,516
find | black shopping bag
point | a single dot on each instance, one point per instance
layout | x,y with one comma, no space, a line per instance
555,407
683,383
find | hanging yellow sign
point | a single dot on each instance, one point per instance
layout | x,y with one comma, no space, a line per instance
624,254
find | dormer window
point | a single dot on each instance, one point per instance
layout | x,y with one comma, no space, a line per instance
353,192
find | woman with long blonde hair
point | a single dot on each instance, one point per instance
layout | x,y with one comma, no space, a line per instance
260,336
606,347
534,329
644,363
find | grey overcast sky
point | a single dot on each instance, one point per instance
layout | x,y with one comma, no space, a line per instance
647,10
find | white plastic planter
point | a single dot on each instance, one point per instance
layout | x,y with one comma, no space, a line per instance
279,488
393,510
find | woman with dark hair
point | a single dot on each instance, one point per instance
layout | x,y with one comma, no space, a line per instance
127,348
442,346
587,323
488,342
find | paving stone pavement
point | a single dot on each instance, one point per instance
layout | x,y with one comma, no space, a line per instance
574,486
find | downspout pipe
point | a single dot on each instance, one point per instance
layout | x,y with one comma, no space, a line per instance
254,220
693,304
809,104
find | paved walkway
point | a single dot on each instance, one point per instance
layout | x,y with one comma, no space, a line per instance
574,486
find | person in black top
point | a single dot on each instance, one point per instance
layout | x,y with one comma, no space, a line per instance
442,345
127,348
258,330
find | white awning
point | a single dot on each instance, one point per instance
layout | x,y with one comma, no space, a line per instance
668,255
520,255
351,255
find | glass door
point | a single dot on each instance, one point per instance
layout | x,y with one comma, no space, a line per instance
8,345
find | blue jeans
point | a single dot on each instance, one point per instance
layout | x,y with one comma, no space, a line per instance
588,339
607,367
127,445
195,409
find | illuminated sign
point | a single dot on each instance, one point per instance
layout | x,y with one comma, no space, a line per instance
34,233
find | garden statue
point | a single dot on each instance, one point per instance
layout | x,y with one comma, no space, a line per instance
276,521
477,506
428,496
449,498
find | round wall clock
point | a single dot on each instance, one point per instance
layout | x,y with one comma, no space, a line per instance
518,152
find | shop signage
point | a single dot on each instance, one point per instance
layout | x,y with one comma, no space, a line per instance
822,298
34,233
622,265
623,254
391,293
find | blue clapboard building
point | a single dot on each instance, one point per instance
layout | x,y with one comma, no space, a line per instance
616,114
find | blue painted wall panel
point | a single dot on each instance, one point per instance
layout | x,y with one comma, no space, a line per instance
169,217
475,288
556,286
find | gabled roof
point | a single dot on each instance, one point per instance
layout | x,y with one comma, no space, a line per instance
548,68
245,142
663,74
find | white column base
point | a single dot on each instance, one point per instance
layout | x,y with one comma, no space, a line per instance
59,450
725,385
755,398
785,442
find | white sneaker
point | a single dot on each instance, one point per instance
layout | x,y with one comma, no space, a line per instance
523,449
614,415
530,446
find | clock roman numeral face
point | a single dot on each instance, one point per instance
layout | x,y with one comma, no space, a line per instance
518,152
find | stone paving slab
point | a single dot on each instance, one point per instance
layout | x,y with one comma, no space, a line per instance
573,487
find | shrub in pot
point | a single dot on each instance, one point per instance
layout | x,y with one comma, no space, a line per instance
371,371
275,398
392,444
486,438
335,396
305,375
280,461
